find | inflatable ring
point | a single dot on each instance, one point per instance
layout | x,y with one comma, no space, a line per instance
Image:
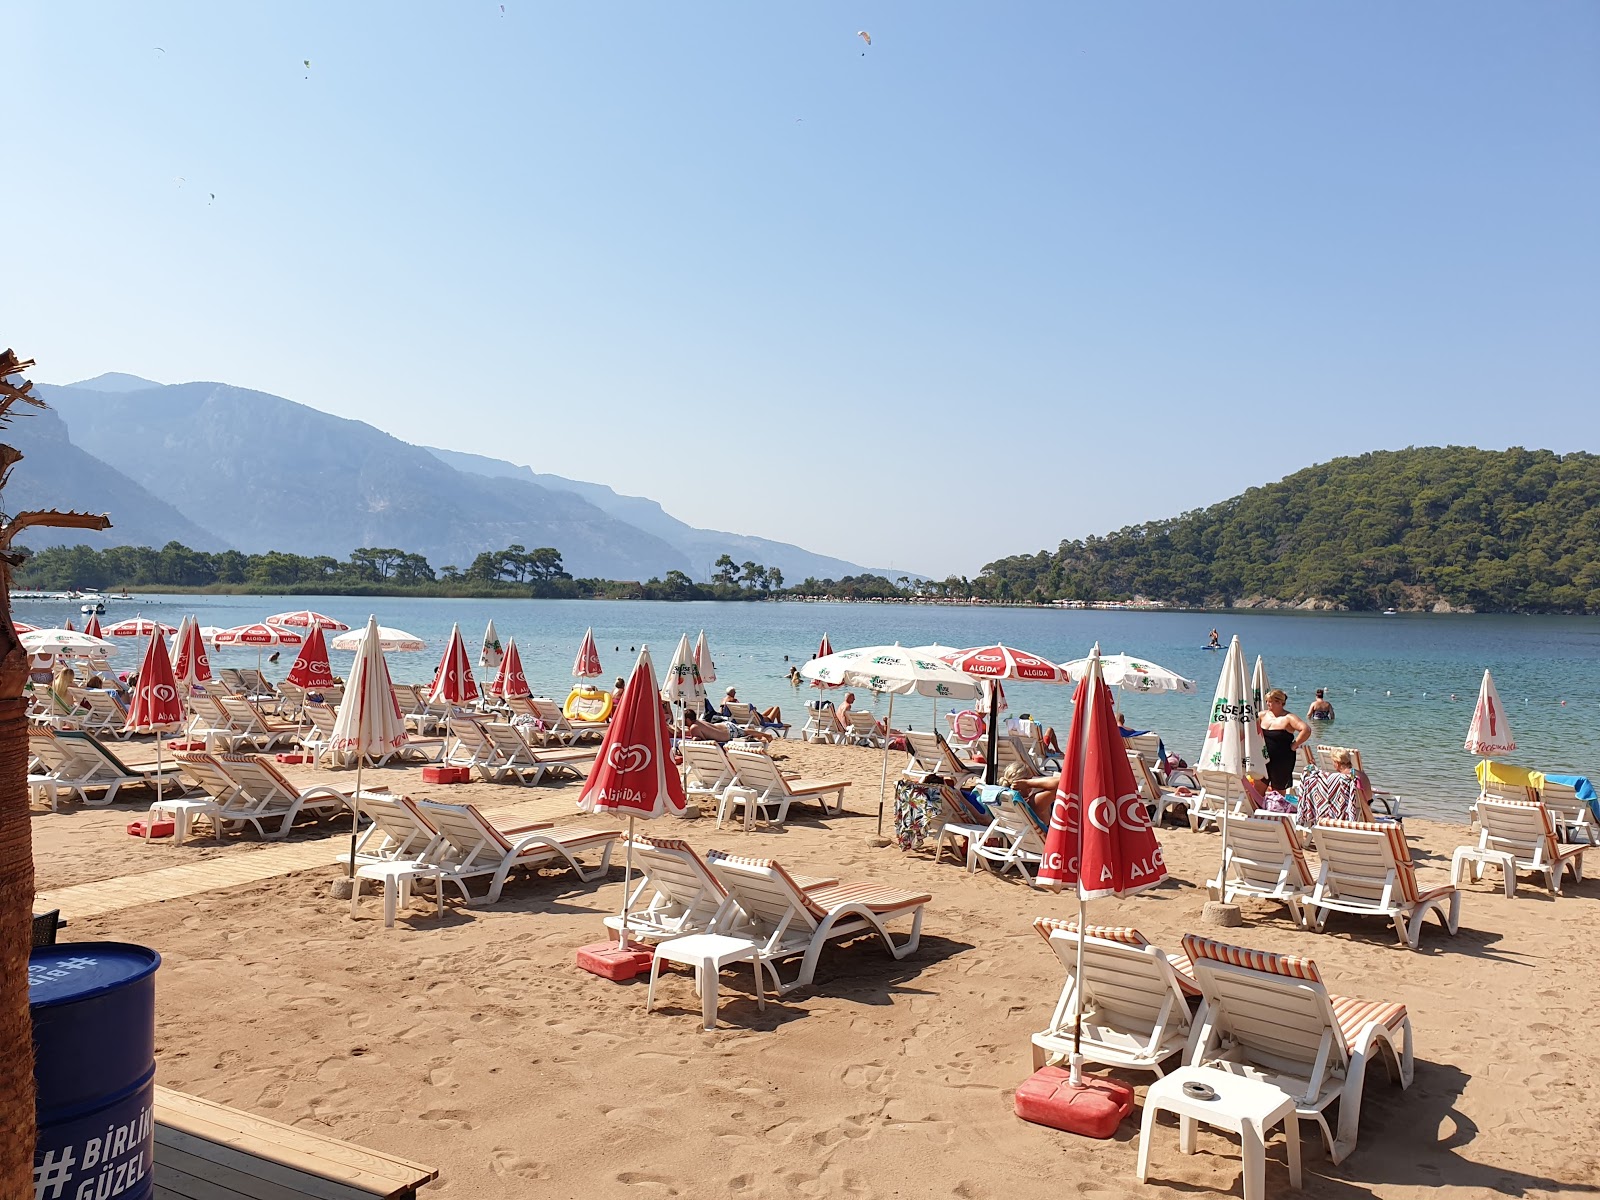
589,704
969,726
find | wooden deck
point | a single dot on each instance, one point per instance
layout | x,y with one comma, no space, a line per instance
208,1151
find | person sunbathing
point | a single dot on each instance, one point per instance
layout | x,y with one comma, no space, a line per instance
1038,790
694,727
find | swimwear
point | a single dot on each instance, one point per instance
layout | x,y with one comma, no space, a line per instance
1279,745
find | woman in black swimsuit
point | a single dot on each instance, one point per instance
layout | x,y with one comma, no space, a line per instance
1282,733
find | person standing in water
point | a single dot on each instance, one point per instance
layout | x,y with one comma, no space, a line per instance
1320,709
1216,640
1282,734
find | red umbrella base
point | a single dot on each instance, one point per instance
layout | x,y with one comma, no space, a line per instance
1093,1110
610,961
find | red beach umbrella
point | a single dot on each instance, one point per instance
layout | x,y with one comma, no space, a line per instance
454,682
306,619
587,664
311,670
20,627
91,626
156,706
633,775
509,681
1114,852
136,627
191,666
67,624
1003,662
258,635
824,649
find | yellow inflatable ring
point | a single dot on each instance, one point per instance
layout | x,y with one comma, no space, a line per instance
589,704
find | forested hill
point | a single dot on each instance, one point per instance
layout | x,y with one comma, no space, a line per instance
1494,531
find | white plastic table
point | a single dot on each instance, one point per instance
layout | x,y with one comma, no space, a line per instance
1478,858
707,953
183,813
396,878
1242,1106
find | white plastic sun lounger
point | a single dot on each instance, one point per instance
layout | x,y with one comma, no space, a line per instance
1526,831
763,785
397,831
265,797
1135,1008
863,730
1367,870
822,725
469,847
768,905
1218,789
1268,1017
1262,859
1159,800
77,762
931,755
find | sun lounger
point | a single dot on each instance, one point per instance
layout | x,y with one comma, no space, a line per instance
100,713
1321,757
1527,833
748,718
968,730
1135,1008
761,784
238,721
78,762
1262,859
931,755
960,816
469,847
769,906
1573,818
1218,789
1367,870
684,894
709,771
863,730
396,833
1015,837
267,800
1269,1017
1157,799
822,724
515,755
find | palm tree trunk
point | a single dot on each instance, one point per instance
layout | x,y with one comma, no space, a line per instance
16,917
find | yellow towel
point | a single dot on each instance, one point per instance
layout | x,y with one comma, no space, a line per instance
1509,775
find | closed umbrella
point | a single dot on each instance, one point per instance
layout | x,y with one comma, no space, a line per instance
1489,735
311,672
306,619
1259,685
1099,839
682,686
1233,737
509,681
702,659
894,670
388,639
587,664
369,720
999,662
490,654
454,683
156,707
191,666
633,775
69,626
91,626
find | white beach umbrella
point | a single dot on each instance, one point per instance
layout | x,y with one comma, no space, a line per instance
369,720
1130,674
1233,738
1259,686
1489,735
492,653
682,685
388,639
702,659
65,641
895,671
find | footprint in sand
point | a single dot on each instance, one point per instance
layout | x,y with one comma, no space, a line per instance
449,1118
875,1078
509,1162
659,1184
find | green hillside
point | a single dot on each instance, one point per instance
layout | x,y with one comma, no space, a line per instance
1495,531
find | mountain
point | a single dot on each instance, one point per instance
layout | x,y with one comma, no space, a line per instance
55,473
702,547
115,381
1449,527
275,475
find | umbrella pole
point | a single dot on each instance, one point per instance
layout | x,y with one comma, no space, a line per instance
989,773
883,784
1075,1072
627,884
355,820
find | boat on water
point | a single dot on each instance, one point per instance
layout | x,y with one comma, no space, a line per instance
93,602
1389,612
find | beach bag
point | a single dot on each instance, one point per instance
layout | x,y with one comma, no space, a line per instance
912,805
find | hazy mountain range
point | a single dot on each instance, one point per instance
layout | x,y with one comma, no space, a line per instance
220,467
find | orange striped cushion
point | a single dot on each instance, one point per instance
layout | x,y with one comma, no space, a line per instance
1127,936
1355,1015
663,843
874,896
1288,965
1405,871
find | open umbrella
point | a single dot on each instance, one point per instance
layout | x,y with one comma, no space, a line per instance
311,672
306,619
453,683
138,627
894,670
260,636
509,681
369,720
587,664
65,641
633,775
1099,839
388,639
1130,674
1489,735
490,654
20,627
1003,662
190,666
702,659
156,708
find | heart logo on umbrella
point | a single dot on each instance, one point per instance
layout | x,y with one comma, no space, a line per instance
629,758
164,692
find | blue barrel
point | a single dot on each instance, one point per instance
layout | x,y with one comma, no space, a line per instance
94,1046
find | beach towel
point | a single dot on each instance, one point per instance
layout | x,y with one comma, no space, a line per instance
911,804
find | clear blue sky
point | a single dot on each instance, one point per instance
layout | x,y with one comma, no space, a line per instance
1012,273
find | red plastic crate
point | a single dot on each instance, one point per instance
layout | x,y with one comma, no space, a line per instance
610,961
181,746
1093,1110
161,829
294,759
442,774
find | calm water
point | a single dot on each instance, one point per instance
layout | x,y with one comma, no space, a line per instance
1391,679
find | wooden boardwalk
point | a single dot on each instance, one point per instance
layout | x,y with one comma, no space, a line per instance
250,866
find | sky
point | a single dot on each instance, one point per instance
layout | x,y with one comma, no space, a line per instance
1007,275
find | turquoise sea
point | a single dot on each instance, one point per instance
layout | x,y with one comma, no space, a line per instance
1402,686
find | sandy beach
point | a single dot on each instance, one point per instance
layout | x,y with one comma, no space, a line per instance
473,1043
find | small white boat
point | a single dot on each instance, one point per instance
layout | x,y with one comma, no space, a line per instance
1389,612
